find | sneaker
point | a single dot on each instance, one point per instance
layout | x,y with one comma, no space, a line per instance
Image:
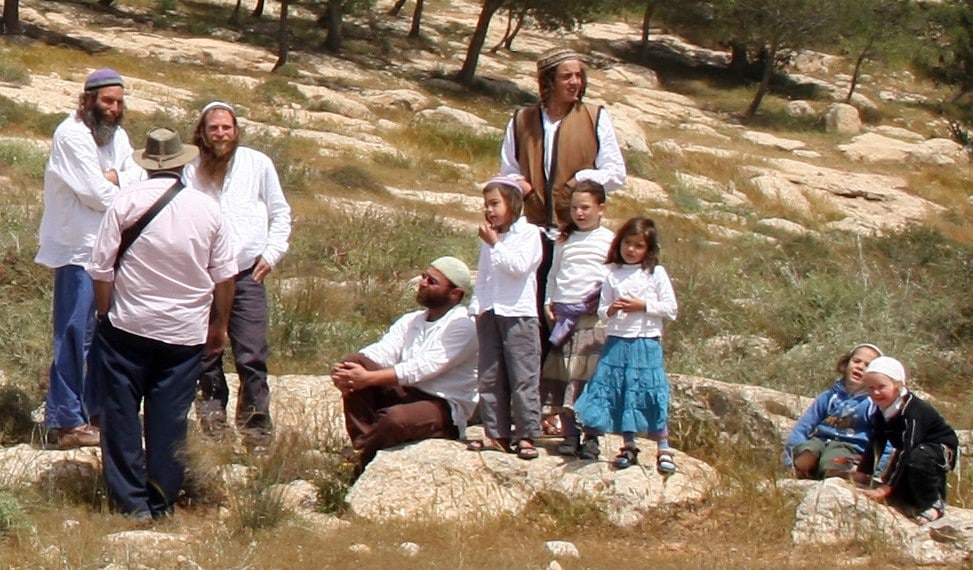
84,435
627,457
571,445
590,449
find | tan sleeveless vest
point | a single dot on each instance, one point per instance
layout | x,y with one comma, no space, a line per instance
576,146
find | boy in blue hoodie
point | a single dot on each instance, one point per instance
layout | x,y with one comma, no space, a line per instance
829,439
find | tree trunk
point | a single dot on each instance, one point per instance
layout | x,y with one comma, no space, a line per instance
416,18
11,18
394,11
858,67
283,36
235,16
333,19
739,61
467,72
770,63
646,22
506,33
508,43
258,10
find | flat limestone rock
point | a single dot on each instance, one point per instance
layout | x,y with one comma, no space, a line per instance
441,480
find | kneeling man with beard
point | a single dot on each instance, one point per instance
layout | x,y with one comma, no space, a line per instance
91,158
419,380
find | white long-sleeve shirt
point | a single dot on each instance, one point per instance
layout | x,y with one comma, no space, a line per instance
438,357
609,170
253,203
634,282
76,192
578,266
506,273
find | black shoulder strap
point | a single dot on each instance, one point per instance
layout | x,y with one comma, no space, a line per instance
131,233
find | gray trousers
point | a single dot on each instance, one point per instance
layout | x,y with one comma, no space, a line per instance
509,375
248,339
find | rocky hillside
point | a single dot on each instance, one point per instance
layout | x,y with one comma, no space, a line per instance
854,177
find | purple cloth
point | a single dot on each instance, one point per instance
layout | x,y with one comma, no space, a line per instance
568,314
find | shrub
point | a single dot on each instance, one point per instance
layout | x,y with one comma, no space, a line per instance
14,521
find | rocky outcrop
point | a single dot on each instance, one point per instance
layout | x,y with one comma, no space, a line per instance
443,481
833,513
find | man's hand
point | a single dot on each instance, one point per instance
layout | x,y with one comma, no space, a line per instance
260,270
525,187
349,376
216,340
111,175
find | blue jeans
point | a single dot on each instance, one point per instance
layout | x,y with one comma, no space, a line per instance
133,368
72,396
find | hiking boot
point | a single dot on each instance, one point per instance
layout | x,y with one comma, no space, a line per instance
84,435
590,449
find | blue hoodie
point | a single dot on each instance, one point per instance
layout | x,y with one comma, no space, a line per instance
836,415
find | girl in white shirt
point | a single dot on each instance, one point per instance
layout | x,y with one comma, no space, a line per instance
574,284
629,392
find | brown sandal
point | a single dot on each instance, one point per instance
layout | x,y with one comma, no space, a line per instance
487,444
526,450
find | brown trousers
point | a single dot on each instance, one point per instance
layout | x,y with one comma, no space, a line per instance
385,416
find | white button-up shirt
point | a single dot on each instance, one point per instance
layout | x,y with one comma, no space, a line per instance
257,215
76,192
437,357
506,273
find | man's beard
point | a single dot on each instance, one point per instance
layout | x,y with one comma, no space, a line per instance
101,125
215,158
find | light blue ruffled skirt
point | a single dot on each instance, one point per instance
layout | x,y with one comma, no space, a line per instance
629,391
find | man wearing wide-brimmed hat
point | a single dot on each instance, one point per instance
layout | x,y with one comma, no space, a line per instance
91,157
154,290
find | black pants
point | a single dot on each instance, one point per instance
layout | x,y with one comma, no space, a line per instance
923,481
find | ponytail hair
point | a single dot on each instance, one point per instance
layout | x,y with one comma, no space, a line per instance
597,191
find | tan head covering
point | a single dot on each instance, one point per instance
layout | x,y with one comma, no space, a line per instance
556,56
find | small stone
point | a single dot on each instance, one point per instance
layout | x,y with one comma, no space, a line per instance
554,565
360,549
409,549
562,549
69,524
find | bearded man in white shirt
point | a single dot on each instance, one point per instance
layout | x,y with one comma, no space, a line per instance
91,158
419,381
259,220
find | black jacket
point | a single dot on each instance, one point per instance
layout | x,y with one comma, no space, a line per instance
916,423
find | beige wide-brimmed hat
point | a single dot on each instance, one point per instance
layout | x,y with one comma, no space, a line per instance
164,150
